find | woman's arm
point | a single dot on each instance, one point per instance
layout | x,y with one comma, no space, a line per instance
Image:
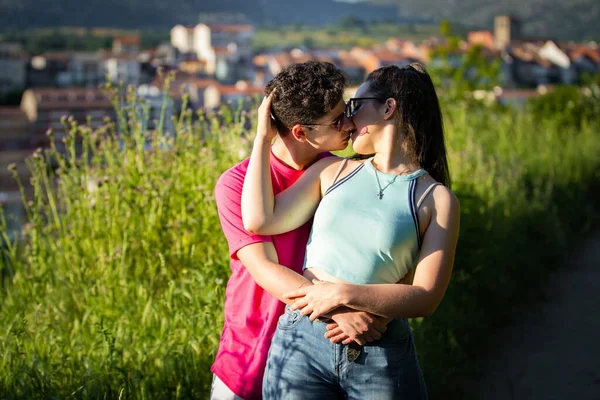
261,212
262,262
432,275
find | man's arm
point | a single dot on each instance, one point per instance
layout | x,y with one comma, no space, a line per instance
261,261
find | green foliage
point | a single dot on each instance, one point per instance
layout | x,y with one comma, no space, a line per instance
36,41
564,20
350,21
338,37
569,105
445,28
116,289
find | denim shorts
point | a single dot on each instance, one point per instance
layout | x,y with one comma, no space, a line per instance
302,364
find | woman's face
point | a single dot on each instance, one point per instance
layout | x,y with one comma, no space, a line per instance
367,115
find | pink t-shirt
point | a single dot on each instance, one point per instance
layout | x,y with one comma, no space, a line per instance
251,313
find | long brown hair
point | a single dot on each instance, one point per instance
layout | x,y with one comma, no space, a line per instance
420,115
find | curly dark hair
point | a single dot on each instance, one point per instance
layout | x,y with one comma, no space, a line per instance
305,92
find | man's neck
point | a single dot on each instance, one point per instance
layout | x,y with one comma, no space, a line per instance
293,153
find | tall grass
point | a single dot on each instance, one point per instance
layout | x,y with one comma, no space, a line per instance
116,289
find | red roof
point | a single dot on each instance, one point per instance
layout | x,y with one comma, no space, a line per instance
70,99
57,56
236,89
8,112
584,51
128,40
221,50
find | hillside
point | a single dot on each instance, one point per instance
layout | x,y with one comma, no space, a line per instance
572,20
563,20
163,14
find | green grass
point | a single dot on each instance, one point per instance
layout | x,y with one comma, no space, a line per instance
116,290
335,37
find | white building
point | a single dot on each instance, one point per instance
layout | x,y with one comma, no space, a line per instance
238,38
225,49
566,70
182,38
13,67
121,68
84,69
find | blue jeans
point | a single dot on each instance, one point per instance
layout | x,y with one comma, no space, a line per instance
302,364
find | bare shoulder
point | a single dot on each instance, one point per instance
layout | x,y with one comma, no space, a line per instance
445,201
337,170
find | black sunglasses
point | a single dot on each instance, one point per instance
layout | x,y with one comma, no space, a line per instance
352,105
336,124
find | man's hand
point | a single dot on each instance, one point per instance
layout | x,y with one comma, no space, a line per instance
266,130
355,326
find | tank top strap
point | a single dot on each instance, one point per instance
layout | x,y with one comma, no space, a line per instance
339,171
425,193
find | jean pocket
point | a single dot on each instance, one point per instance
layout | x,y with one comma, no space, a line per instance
289,319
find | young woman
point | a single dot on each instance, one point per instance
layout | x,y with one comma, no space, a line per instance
383,241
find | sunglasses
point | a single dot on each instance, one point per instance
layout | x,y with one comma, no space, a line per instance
353,105
336,124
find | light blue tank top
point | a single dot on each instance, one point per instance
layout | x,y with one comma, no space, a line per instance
360,238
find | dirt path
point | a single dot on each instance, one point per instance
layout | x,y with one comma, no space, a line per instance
554,353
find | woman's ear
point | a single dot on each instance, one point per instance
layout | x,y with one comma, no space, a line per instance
298,133
390,108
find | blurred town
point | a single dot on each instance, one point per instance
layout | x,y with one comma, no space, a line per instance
214,63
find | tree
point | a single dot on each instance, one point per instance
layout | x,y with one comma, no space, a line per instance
350,21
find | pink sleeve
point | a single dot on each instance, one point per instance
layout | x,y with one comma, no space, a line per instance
228,194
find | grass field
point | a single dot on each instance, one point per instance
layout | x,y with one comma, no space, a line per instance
116,290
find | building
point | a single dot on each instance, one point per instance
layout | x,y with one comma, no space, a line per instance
182,38
238,95
567,73
482,38
15,146
225,49
157,104
353,70
44,108
13,68
49,69
120,68
585,59
126,45
507,28
164,55
15,129
84,69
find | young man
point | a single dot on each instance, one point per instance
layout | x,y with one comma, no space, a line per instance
309,109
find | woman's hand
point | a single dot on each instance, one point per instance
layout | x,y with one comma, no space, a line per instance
318,299
266,129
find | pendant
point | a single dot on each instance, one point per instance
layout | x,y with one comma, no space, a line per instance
380,195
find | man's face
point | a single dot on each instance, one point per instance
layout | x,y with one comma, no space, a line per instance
330,132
